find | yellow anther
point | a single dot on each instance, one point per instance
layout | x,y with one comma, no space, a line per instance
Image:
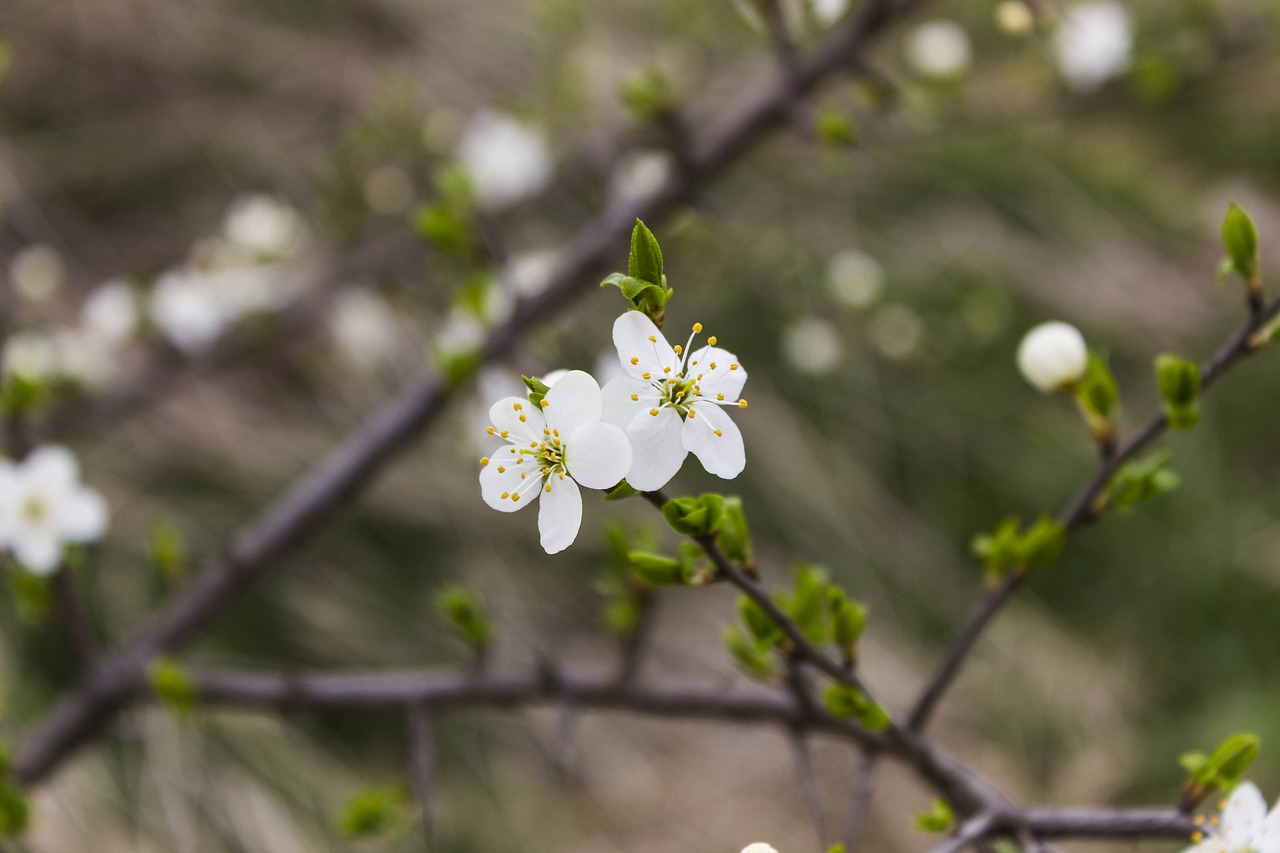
1198,820
515,498
635,398
718,432
555,432
679,349
489,430
518,406
666,370
561,475
523,475
506,495
742,404
503,434
533,444
544,402
1197,837
548,488
713,365
733,367
720,397
653,412
692,413
520,461
697,327
635,359
646,375
523,419
484,460
652,339
502,470
712,340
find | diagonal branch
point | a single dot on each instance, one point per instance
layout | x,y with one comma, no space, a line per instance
1081,511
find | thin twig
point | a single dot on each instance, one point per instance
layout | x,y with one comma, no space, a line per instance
808,782
864,787
422,763
71,619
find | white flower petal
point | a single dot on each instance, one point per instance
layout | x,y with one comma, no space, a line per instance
500,479
598,455
506,414
726,377
1242,816
618,408
572,402
712,436
1268,838
656,449
37,549
82,516
641,347
53,467
560,515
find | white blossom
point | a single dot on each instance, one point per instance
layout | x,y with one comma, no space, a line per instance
187,311
670,400
265,226
1245,826
43,507
639,175
37,273
1015,17
939,49
84,358
855,278
506,159
528,273
759,847
462,333
1093,44
110,312
549,451
827,12
31,355
1053,356
363,329
812,346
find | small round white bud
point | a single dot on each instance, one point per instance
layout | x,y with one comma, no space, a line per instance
1053,356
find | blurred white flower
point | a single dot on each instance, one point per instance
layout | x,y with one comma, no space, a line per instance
1053,356
363,328
43,507
505,159
1245,826
549,450
110,312
758,847
529,273
265,226
896,331
1015,17
462,333
187,311
37,273
1093,44
827,12
607,368
241,290
31,355
388,190
639,175
939,49
84,358
812,346
855,278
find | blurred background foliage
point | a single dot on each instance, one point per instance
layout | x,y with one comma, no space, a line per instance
887,422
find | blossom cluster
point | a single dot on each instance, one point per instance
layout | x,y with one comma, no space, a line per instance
640,427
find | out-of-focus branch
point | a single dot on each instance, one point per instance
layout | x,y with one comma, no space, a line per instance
1082,510
1042,822
338,478
71,619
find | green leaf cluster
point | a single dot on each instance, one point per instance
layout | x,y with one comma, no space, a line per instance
822,611
847,702
1139,481
623,593
1240,242
1179,382
31,593
447,223
939,819
465,613
689,568
380,811
172,685
644,285
648,95
1009,547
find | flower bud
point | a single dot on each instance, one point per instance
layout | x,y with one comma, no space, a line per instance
1053,356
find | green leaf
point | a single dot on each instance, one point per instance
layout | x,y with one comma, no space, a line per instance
847,702
645,262
464,612
1229,761
750,657
657,569
848,621
537,389
1179,382
835,127
700,516
622,491
373,812
808,605
1141,480
759,623
32,594
647,94
19,394
443,228
1240,241
734,537
998,550
621,615
939,819
1098,392
171,685
15,813
167,551
1041,544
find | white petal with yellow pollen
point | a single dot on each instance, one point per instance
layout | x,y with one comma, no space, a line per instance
619,408
712,436
641,347
500,479
506,414
560,515
721,374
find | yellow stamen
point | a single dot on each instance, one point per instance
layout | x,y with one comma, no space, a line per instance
635,398
679,349
555,432
712,340
548,488
652,339
518,407
718,432
645,375
1197,837
666,370
490,430
720,397
502,470
484,460
533,444
697,327
635,360
742,404
523,419
713,365
653,412
692,413
515,498
733,367
506,495
544,402
503,434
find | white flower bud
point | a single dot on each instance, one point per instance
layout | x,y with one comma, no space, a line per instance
1053,356
939,49
758,847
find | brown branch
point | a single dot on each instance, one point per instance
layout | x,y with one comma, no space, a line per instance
1079,512
71,619
864,786
422,762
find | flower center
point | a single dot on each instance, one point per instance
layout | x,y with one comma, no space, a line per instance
35,508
